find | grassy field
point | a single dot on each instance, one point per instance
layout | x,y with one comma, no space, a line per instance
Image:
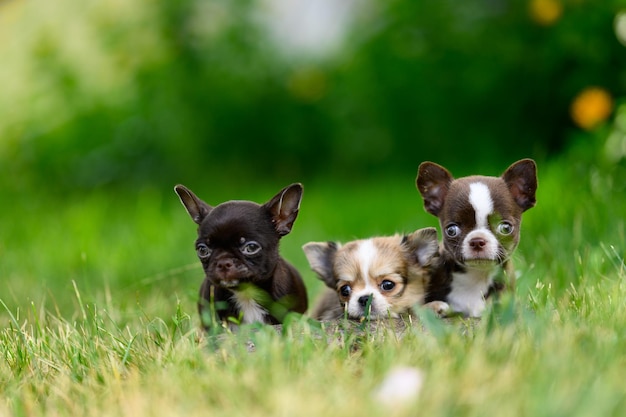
98,311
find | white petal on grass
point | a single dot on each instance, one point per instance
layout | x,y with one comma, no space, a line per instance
400,385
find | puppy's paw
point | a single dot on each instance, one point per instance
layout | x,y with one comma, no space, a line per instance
441,308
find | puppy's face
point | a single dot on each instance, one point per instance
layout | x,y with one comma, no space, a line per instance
378,277
371,278
480,216
237,244
238,240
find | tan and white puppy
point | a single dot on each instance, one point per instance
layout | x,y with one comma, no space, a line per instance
376,277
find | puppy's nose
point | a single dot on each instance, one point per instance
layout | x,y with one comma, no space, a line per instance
364,299
224,264
477,243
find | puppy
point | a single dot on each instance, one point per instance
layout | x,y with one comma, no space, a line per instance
480,218
377,277
246,280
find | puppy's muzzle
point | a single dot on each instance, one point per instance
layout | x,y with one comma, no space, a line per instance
229,273
224,265
363,300
478,244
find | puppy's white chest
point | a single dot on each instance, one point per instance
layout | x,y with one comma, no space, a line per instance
468,292
252,311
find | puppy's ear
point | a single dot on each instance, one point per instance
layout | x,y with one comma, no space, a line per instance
521,178
433,182
422,245
321,256
196,208
284,208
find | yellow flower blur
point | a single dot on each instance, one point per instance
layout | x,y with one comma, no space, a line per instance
545,12
591,107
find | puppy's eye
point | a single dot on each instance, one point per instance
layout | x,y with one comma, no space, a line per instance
387,285
203,251
452,230
251,248
505,228
345,291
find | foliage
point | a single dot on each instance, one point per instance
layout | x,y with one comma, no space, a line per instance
122,92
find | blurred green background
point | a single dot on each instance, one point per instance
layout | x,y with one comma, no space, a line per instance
105,106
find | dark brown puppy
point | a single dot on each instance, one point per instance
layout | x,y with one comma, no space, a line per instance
246,280
480,220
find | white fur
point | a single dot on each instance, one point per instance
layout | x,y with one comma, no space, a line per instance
480,199
366,253
490,251
468,291
251,310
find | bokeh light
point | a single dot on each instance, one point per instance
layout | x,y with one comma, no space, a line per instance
591,107
545,12
620,27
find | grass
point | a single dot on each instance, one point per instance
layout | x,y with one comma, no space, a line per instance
98,312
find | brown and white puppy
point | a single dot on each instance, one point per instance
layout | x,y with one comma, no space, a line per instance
480,219
246,280
377,277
